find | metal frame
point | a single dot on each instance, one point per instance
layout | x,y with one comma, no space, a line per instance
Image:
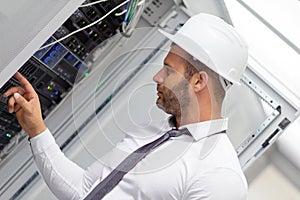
284,113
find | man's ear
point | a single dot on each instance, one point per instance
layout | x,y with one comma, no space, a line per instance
199,81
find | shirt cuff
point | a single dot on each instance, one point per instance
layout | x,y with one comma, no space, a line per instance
41,142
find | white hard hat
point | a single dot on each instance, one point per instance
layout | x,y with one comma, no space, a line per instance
215,43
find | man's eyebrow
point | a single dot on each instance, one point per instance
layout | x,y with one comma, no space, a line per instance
167,64
168,67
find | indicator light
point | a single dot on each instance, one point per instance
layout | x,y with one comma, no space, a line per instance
52,53
58,47
8,135
70,57
47,60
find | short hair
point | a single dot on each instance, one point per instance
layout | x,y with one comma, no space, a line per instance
193,66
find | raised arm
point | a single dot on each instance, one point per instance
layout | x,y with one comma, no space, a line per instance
65,178
25,102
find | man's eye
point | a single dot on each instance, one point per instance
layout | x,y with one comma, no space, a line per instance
168,71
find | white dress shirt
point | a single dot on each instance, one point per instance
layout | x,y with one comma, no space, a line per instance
203,165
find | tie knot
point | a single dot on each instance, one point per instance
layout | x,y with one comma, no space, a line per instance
177,132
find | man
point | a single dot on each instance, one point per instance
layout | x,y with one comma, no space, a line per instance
206,56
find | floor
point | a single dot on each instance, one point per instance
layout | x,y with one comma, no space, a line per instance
271,184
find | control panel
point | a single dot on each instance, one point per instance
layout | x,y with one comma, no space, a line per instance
61,61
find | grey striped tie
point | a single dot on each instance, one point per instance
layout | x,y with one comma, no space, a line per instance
112,180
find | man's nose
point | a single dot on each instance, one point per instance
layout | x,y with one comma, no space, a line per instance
158,77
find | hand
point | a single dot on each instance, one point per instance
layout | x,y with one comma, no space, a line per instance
25,102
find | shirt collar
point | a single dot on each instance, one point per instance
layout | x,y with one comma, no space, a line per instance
203,129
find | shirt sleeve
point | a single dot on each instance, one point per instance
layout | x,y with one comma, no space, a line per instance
220,183
64,178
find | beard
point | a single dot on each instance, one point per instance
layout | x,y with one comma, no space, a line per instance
174,100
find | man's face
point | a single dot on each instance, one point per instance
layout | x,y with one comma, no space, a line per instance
172,87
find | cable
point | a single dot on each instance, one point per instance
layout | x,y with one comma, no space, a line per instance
90,4
121,13
131,8
135,7
81,29
141,3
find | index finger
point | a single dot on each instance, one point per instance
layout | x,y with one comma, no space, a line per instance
24,82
